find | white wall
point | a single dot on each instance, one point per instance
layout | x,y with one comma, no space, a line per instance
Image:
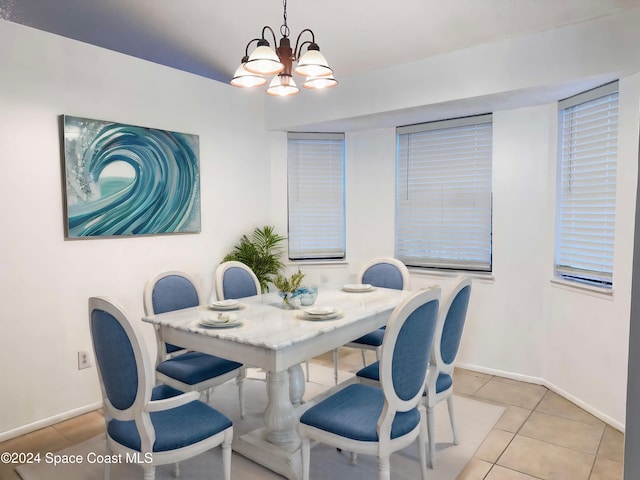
45,281
520,324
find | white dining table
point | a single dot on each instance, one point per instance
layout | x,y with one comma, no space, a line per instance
278,341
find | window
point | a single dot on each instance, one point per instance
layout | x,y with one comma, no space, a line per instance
586,200
443,204
316,196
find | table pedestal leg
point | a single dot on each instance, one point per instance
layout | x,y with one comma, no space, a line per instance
296,385
277,446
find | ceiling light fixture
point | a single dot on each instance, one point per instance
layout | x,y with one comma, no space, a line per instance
263,62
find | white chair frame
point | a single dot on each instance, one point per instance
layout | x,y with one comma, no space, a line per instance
438,365
406,285
223,267
205,386
140,410
386,446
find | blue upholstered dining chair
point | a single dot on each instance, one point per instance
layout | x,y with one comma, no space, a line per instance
236,280
160,424
379,421
446,341
181,369
451,320
384,273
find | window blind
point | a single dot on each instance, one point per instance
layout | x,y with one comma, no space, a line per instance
316,196
443,208
586,200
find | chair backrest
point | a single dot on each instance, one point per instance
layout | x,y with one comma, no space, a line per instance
168,291
404,358
385,273
236,280
123,362
453,314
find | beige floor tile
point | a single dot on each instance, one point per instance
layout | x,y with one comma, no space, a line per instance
45,440
520,395
545,460
466,384
513,418
612,445
493,445
501,473
82,428
464,371
605,469
8,472
476,469
563,432
554,404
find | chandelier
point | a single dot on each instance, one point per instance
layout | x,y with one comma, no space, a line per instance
264,62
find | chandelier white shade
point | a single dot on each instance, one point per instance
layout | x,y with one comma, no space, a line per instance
264,62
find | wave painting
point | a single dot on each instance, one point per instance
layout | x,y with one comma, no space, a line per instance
128,180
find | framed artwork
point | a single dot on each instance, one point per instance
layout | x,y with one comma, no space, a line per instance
124,180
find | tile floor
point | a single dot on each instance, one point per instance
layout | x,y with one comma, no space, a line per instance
541,436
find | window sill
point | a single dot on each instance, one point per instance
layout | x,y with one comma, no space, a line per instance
582,288
481,276
317,262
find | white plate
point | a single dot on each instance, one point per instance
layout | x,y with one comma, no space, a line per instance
226,305
357,287
329,316
320,311
204,322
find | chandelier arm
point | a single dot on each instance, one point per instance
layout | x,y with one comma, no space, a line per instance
296,51
264,29
246,50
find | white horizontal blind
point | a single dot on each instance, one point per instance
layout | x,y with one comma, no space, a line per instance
316,196
443,210
586,199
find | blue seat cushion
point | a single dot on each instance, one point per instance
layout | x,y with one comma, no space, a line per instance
372,372
444,382
195,367
353,413
372,338
164,391
175,428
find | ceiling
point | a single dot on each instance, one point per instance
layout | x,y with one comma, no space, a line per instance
208,37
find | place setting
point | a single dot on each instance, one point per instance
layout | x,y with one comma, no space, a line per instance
358,287
221,320
320,313
224,305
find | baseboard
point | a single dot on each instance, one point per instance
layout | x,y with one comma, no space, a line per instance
46,422
554,388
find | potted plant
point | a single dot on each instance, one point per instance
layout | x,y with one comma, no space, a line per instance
261,252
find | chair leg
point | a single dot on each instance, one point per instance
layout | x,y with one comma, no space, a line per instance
354,458
306,457
226,454
364,357
335,366
240,382
452,419
307,368
431,438
384,469
176,469
107,470
422,452
149,472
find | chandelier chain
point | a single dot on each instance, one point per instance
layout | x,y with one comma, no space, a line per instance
284,28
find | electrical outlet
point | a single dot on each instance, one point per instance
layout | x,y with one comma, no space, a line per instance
83,360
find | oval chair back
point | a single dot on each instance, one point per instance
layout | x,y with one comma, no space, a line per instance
385,273
236,280
166,292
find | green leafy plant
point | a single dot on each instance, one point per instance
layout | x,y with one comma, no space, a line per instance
261,252
290,284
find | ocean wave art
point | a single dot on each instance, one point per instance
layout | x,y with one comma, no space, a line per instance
128,180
